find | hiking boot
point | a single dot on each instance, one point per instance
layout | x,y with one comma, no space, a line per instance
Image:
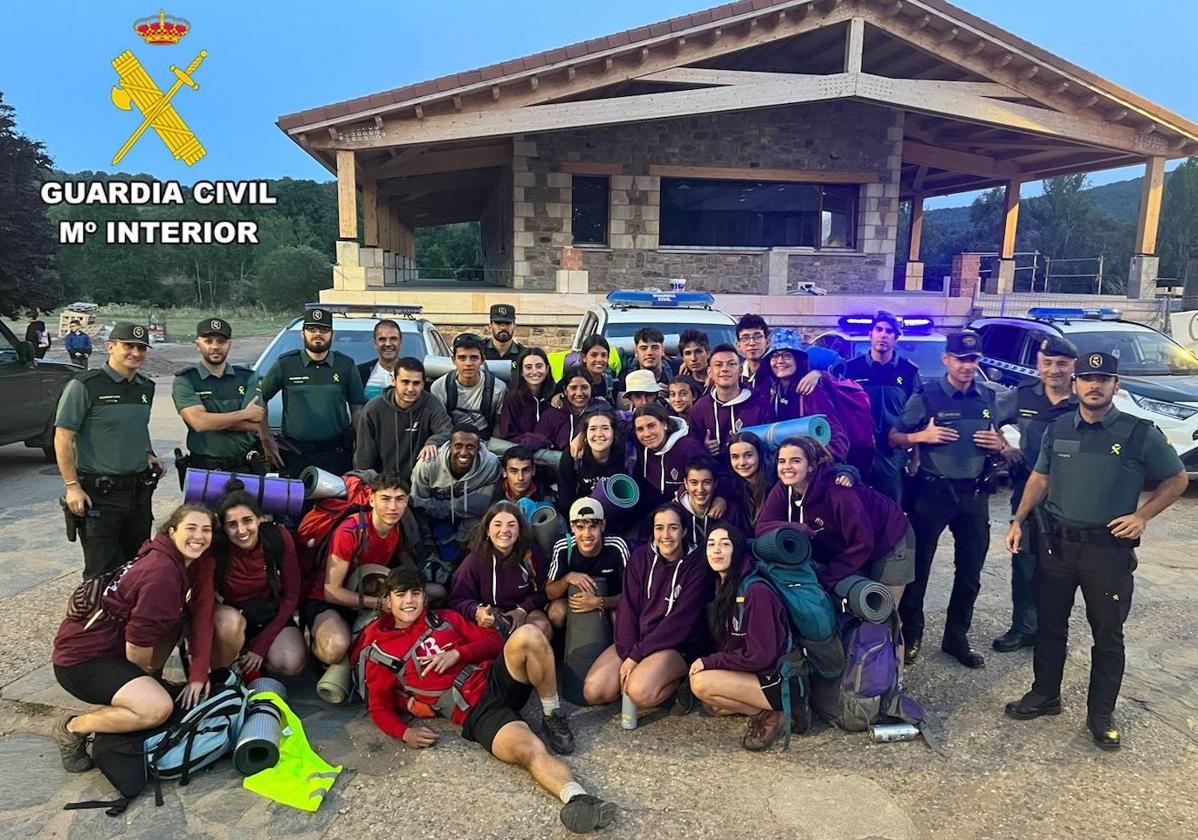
684,700
1013,640
585,813
557,729
1032,706
764,729
911,652
1106,736
72,747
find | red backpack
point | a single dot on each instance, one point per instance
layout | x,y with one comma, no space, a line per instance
316,529
854,412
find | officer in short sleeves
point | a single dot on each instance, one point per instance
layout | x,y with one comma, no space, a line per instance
951,420
1091,469
221,405
108,466
322,398
502,344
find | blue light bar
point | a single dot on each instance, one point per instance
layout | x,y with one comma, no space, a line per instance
862,323
917,322
1065,313
661,300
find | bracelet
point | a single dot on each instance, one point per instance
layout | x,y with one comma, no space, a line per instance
71,483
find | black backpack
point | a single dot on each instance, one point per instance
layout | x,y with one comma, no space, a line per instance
485,406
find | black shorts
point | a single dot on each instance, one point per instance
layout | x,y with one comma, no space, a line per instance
771,687
314,606
97,681
253,631
500,705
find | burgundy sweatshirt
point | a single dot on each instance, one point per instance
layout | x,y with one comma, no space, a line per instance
788,405
755,643
245,580
720,420
148,602
519,415
482,579
850,527
663,605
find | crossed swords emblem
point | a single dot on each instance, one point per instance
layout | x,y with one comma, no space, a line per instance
137,88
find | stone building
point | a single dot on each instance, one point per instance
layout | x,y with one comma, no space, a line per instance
751,148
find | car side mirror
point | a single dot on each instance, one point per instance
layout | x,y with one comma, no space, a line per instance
24,352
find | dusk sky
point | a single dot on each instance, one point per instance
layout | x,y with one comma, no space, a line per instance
266,59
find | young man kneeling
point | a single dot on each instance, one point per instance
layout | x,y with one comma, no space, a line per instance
421,660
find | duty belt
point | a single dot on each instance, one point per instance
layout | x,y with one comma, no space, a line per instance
1097,535
117,482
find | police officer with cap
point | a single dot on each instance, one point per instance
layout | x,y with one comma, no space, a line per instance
221,405
501,344
108,466
1091,468
1032,407
951,420
322,398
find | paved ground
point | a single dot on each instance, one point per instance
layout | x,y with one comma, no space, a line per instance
674,777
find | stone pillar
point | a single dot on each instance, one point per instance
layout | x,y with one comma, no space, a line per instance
1141,277
1003,282
965,276
913,276
571,278
777,266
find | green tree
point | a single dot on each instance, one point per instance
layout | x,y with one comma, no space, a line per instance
1179,219
291,276
445,250
27,245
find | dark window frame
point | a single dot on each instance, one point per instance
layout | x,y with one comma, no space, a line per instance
605,240
795,220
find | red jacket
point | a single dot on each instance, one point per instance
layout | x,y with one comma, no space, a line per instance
389,702
245,580
143,605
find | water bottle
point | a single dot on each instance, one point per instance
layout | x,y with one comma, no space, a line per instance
628,712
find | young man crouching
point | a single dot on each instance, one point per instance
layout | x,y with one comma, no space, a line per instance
418,659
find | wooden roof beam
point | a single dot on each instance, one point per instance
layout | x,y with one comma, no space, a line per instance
941,158
410,162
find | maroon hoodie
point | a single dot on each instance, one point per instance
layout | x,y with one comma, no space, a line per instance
757,633
850,527
721,420
150,600
482,579
660,473
663,605
520,414
788,405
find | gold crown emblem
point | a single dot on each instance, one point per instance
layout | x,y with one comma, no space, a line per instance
164,30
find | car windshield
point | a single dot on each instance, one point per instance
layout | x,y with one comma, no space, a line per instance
716,333
1140,352
357,344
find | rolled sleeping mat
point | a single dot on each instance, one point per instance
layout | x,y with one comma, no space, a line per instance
281,497
528,507
867,599
616,494
437,366
546,457
319,484
546,528
334,685
587,636
771,434
787,546
258,743
365,579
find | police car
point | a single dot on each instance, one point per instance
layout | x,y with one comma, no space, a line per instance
1158,377
353,335
625,312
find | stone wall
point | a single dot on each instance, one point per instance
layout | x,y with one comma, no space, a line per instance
826,136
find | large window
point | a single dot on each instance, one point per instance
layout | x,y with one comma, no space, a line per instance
757,214
589,217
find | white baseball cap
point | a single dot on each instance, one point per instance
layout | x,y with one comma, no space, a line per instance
586,509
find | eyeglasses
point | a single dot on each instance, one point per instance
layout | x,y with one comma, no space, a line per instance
752,338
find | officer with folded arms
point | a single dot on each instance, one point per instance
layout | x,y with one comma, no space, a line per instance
221,405
102,442
322,398
1092,466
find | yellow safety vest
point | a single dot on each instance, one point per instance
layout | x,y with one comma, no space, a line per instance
301,778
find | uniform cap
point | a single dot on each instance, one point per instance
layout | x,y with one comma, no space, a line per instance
503,312
1097,364
963,343
1058,345
214,326
586,509
640,382
318,317
130,333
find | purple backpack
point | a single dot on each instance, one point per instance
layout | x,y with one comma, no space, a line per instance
869,689
853,411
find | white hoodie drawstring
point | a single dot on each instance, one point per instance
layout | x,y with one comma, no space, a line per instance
673,580
790,505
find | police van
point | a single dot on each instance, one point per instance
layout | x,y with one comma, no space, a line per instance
1158,377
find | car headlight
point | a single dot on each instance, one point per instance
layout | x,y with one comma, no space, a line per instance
1177,412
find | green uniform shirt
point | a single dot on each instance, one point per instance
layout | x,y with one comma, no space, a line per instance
110,416
231,391
316,395
1098,476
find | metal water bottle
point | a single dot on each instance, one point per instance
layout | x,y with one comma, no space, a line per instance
628,712
888,732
